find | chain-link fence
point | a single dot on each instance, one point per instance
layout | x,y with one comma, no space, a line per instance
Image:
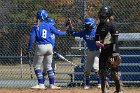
18,16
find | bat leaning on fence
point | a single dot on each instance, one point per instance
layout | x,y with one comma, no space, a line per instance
63,58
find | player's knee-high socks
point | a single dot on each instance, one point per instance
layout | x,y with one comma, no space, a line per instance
108,80
44,76
87,80
98,78
51,76
39,76
121,78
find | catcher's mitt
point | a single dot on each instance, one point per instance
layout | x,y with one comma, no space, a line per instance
114,60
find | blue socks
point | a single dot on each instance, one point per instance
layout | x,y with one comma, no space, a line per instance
51,76
39,76
87,81
98,78
108,80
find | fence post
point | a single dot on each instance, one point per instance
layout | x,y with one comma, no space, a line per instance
21,63
84,16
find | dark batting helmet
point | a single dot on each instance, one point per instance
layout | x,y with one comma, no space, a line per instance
105,13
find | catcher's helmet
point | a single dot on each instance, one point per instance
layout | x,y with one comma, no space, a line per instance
104,13
51,21
42,14
90,23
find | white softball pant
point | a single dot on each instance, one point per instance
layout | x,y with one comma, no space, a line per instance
43,54
92,61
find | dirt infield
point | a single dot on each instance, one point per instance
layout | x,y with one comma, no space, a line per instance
65,90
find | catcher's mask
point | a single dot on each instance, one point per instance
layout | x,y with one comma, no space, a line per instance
105,13
114,61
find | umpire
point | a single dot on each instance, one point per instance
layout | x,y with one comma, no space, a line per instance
107,38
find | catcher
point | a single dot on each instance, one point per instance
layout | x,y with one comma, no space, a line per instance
107,38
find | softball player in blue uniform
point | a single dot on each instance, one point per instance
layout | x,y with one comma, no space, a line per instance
44,49
52,22
88,34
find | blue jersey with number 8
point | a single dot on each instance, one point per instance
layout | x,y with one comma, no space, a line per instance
42,34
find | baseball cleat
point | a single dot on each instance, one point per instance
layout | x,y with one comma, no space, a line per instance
86,87
38,87
54,87
99,86
119,92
